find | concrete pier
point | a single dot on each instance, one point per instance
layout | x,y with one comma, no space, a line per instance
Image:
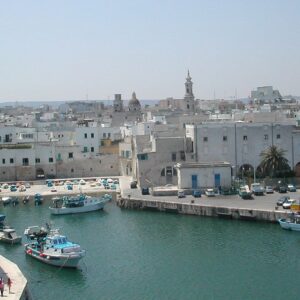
267,215
19,282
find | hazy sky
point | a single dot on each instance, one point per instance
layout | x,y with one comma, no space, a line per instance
61,50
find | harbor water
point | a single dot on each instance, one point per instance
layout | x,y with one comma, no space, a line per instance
152,255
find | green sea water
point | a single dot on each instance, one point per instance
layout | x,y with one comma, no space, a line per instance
150,255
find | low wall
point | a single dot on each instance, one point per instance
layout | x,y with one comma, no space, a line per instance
202,210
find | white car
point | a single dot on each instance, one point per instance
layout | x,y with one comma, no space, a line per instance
288,203
82,182
210,192
180,194
269,190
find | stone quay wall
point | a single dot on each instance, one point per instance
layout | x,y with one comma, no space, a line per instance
201,210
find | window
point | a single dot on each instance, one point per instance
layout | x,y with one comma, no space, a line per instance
102,143
245,137
72,170
182,155
25,161
173,156
37,160
85,149
169,171
27,135
224,138
92,149
205,139
123,153
3,161
104,135
70,154
127,153
92,135
266,137
108,135
278,136
11,160
85,135
142,156
50,159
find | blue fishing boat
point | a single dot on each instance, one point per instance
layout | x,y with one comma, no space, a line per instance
51,247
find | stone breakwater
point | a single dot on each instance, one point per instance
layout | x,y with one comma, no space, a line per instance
201,210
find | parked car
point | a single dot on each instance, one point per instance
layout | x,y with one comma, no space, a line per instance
197,193
257,189
269,189
288,203
282,189
210,192
27,185
145,191
13,188
53,189
282,200
180,194
22,188
291,188
133,184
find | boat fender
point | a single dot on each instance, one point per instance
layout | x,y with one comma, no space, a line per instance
48,257
42,255
29,251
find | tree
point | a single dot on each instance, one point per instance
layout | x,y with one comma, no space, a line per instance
273,163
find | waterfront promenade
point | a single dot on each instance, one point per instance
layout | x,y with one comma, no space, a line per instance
19,282
266,203
262,208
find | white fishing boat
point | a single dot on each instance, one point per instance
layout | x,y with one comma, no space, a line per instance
6,200
52,248
7,233
78,204
291,223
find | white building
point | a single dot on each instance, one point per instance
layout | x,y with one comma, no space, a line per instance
241,143
203,175
266,94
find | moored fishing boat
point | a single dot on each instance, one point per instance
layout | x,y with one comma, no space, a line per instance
50,247
78,204
7,233
291,223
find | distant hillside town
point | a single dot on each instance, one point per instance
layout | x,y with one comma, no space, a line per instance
155,144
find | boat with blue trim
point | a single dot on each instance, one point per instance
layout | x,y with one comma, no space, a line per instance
51,247
78,204
292,222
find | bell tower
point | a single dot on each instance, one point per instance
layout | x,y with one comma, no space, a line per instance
189,99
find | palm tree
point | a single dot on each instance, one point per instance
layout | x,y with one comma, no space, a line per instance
273,162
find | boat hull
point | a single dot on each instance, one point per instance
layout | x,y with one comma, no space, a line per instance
285,224
63,261
11,241
75,210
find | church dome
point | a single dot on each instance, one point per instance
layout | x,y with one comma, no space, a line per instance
134,104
